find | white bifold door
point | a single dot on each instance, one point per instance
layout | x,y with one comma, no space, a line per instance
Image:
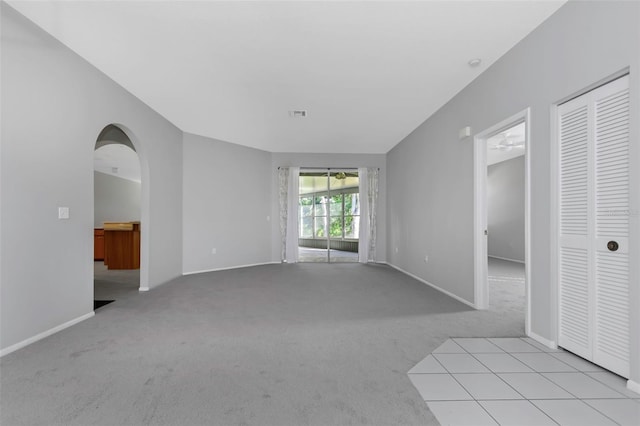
593,262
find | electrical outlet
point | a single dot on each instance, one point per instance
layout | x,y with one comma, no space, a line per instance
426,259
214,250
396,249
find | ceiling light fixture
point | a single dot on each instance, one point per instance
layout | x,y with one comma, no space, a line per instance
475,62
508,143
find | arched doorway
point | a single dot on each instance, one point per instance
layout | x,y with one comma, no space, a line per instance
117,216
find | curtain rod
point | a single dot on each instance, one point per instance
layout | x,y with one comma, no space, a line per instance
328,168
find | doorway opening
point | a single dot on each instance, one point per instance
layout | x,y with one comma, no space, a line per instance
117,215
501,210
328,216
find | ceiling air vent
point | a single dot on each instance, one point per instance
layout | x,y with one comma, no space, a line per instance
298,113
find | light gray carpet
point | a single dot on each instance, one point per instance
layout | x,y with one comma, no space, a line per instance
303,344
114,284
506,286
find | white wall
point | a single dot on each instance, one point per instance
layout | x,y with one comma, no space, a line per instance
116,199
505,209
54,105
334,161
226,202
430,173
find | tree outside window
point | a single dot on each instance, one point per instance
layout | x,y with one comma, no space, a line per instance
338,214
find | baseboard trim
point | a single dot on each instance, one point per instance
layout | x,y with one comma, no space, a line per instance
144,289
230,267
458,298
44,334
633,386
548,343
507,259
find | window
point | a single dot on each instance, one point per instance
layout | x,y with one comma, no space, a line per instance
306,217
337,214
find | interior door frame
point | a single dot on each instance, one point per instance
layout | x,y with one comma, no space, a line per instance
481,283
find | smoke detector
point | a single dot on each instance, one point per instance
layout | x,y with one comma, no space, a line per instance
298,113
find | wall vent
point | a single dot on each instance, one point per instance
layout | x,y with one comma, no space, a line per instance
298,113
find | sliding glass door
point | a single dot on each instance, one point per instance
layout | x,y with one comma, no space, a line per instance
312,217
328,215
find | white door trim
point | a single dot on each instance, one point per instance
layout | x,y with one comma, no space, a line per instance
481,285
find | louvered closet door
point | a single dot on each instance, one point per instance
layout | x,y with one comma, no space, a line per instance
611,161
594,226
574,265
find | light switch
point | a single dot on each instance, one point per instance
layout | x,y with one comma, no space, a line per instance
63,212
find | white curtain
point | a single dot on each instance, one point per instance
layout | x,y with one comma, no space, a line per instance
283,186
368,210
372,195
289,188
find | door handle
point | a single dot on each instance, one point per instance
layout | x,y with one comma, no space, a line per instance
612,245
486,232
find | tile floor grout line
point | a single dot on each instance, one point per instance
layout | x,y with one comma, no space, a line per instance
607,399
438,361
534,406
579,372
554,383
598,411
473,397
545,413
566,363
530,401
511,355
540,346
573,369
607,385
482,338
487,411
495,374
503,349
596,408
575,397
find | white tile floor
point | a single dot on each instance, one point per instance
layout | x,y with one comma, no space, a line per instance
517,381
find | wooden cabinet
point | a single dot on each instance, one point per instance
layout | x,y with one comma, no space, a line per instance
98,244
122,245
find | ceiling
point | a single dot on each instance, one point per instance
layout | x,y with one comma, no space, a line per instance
315,182
117,160
506,145
367,72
